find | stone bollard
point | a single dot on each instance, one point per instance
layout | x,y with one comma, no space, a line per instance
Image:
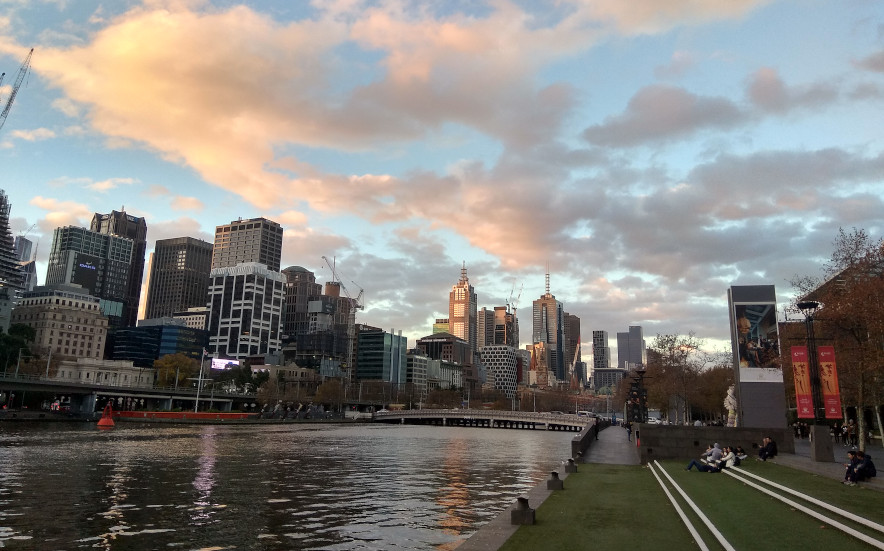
522,514
571,467
554,482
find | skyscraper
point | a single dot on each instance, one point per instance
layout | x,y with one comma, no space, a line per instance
253,240
300,286
10,276
245,311
631,349
97,261
462,306
573,351
121,224
549,328
601,352
179,276
497,326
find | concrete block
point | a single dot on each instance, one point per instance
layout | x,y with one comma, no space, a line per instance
522,514
554,482
570,467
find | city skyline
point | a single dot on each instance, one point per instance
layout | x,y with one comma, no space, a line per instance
653,154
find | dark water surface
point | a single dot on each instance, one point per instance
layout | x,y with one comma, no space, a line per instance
263,487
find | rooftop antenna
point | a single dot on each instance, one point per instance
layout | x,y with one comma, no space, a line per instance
547,277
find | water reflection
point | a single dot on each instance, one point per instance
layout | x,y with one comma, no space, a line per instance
263,488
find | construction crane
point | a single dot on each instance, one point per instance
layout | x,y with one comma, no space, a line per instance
355,304
18,80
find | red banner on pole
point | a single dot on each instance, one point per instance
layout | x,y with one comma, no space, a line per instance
801,372
829,381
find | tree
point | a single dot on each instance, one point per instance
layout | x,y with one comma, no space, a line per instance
172,365
331,393
674,366
851,316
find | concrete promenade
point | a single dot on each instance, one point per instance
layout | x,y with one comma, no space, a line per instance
613,448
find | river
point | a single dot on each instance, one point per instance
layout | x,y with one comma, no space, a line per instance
267,487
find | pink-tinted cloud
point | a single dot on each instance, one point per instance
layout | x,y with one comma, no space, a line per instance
874,62
664,112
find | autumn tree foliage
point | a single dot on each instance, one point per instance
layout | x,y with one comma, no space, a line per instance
684,378
850,293
175,365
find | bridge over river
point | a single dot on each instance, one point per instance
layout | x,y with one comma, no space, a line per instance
486,418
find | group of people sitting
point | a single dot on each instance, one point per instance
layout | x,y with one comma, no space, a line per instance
859,467
716,458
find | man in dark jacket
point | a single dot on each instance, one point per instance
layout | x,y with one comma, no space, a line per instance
768,449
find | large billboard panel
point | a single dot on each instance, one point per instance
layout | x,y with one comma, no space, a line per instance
85,272
829,382
801,373
756,341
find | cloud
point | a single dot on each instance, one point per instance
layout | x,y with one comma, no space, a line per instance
66,106
34,135
768,92
186,203
659,112
679,64
157,191
178,227
292,218
873,62
651,16
61,213
111,183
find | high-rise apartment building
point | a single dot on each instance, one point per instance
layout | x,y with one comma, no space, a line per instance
462,307
121,224
549,328
500,362
253,240
245,311
10,275
300,288
179,276
631,350
99,262
601,352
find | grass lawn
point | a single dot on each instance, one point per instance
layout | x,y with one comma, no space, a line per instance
623,507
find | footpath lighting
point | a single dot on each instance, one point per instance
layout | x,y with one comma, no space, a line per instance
809,308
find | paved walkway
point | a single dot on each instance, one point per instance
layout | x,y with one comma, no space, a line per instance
835,469
613,448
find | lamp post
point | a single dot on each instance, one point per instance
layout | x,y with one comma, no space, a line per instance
809,308
820,443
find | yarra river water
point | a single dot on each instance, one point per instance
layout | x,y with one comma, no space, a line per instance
267,487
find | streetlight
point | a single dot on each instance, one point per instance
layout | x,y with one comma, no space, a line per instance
809,308
18,363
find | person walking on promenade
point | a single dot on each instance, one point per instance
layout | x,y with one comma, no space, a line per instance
595,429
851,433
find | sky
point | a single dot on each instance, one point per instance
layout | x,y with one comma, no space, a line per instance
646,154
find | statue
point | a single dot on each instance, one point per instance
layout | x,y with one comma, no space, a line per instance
730,404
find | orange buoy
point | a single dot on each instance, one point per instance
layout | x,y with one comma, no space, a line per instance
107,418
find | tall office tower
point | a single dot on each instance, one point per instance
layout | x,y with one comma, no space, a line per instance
300,287
245,311
97,261
497,326
179,276
10,276
382,357
441,325
500,361
253,240
121,224
601,352
549,328
573,351
631,349
462,306
24,247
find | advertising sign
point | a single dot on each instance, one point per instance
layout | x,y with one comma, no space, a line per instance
223,363
801,372
829,382
757,342
85,271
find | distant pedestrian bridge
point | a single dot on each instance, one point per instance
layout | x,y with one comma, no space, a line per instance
486,418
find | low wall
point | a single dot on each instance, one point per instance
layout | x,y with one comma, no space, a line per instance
686,443
582,442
